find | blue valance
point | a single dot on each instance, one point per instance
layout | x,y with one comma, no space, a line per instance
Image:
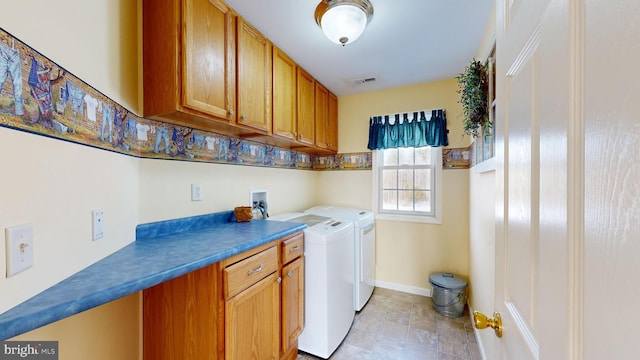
402,131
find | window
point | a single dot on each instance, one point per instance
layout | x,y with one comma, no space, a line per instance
407,184
484,146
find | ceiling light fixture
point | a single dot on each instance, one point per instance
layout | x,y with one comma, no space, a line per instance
343,21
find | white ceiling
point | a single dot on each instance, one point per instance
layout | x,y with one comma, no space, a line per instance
407,41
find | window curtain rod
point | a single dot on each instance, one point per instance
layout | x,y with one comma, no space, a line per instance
409,115
401,132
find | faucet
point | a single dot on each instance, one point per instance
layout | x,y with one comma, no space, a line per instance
261,207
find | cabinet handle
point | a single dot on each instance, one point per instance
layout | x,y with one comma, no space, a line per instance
258,269
295,248
231,112
279,279
244,117
289,274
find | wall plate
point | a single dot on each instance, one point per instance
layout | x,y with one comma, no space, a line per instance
19,248
196,192
97,217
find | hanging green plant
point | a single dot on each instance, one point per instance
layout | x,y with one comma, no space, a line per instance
473,87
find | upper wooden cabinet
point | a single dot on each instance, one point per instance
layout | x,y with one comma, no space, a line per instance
205,67
305,107
322,115
332,123
189,61
254,72
284,95
326,119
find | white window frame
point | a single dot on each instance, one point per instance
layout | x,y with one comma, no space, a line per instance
435,217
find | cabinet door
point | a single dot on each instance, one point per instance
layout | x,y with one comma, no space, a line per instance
252,322
182,318
208,70
292,302
254,78
306,107
321,115
284,95
332,123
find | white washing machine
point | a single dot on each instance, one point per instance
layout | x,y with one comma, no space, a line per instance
329,281
365,247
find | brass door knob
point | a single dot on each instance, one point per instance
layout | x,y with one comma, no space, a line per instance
481,321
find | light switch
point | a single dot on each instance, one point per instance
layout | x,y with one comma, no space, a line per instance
19,248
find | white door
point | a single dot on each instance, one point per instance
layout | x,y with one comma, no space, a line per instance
612,180
568,169
535,178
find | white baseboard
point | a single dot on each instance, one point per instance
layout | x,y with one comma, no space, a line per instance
404,288
483,354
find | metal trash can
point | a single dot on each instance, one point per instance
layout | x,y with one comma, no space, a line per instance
448,294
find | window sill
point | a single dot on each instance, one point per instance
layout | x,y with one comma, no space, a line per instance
409,218
485,166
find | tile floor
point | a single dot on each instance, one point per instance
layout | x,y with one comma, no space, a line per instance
400,326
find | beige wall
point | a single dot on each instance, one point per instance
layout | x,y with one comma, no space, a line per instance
110,331
57,184
95,40
354,111
406,252
165,188
482,187
482,248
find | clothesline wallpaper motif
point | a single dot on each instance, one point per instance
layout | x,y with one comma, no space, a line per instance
40,97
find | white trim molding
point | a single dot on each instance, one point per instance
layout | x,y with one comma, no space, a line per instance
404,288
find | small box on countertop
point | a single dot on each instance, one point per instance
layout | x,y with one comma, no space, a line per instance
243,213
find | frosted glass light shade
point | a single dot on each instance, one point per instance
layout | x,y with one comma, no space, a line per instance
344,23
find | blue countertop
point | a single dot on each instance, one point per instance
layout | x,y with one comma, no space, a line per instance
162,251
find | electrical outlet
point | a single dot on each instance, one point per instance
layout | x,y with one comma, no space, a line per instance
98,224
19,248
196,192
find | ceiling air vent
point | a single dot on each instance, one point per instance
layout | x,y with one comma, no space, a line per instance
363,81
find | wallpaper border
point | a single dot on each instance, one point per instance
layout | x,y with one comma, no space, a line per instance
40,97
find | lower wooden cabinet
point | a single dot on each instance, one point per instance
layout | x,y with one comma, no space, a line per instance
249,306
252,322
292,304
183,318
252,306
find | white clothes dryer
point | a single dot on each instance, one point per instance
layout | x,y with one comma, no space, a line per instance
329,282
365,247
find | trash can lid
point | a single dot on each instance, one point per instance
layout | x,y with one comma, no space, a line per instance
447,280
